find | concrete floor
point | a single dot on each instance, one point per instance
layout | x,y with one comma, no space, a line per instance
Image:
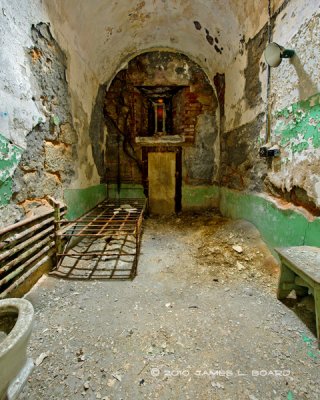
200,321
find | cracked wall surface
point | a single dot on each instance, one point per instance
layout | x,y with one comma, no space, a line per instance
293,107
195,119
19,113
52,137
47,164
295,120
37,159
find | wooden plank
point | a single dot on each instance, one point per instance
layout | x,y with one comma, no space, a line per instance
305,260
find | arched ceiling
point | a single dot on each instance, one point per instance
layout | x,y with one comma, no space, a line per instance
106,33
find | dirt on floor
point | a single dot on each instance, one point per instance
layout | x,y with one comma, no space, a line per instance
200,321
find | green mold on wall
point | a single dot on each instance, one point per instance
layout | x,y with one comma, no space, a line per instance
312,237
10,155
79,201
298,126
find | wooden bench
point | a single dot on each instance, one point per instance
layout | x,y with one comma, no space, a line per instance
300,271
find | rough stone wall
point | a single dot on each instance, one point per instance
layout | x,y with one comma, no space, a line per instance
194,116
37,138
47,164
19,113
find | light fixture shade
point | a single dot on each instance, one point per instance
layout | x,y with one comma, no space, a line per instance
274,53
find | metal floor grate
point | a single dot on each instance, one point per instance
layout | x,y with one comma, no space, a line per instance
102,244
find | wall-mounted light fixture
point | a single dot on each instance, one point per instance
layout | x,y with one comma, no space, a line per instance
274,53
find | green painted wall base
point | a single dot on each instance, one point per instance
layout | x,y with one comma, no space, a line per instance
278,227
199,197
79,201
133,191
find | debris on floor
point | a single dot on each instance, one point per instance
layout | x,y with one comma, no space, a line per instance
200,321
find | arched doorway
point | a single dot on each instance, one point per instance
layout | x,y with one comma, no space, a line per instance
162,121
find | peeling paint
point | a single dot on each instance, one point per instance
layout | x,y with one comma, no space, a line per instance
197,25
298,126
9,159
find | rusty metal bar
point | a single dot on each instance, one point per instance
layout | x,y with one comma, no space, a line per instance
23,278
11,240
23,266
96,254
25,254
95,234
26,221
106,228
109,219
23,244
102,269
19,247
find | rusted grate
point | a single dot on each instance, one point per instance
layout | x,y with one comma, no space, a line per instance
102,244
25,247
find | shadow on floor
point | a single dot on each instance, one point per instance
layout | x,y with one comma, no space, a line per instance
304,308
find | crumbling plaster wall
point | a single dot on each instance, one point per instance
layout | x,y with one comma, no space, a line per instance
44,112
226,39
114,31
218,35
248,63
245,92
295,106
47,164
105,36
83,86
294,124
19,113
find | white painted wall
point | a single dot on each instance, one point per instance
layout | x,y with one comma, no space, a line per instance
299,78
18,112
107,31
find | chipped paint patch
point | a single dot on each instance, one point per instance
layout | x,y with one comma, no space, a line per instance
9,159
298,126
